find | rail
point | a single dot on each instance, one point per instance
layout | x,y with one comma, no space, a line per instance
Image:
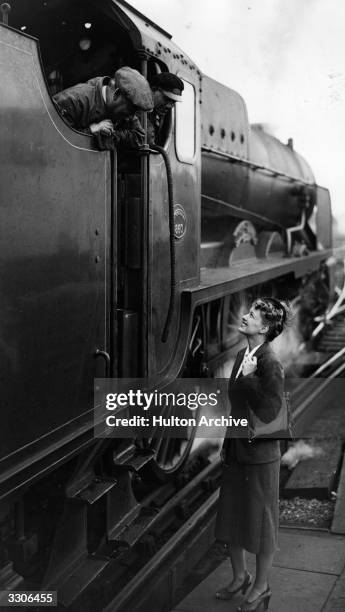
305,403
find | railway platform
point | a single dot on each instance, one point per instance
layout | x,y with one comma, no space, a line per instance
308,575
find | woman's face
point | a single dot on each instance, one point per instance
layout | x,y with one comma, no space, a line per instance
253,323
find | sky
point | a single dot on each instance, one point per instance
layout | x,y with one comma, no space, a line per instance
287,60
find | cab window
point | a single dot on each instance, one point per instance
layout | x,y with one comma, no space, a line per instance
185,124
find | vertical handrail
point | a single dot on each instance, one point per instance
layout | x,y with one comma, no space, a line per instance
113,236
173,282
145,236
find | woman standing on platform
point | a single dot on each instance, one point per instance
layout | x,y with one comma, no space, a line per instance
248,511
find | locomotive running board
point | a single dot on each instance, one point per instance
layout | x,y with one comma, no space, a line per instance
218,282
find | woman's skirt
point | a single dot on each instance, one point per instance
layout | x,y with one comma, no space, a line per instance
248,510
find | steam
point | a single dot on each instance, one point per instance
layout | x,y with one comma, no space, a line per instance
289,345
300,451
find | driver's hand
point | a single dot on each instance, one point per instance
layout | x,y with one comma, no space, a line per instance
105,127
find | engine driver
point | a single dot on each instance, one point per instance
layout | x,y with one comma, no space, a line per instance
166,89
105,108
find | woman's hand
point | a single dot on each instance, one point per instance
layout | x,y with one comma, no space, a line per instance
249,365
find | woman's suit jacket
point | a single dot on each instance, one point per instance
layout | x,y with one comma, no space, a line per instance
263,392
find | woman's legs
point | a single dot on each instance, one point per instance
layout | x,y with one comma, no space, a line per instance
241,579
264,563
238,563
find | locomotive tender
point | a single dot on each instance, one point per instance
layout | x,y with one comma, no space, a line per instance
91,267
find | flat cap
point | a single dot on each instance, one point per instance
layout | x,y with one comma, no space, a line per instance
170,85
135,87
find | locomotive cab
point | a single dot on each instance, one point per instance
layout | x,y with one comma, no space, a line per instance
78,42
81,40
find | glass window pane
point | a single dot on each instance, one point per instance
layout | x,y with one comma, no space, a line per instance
185,124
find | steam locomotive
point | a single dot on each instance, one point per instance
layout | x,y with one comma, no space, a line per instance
125,265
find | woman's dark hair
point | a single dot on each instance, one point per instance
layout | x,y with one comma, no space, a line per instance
275,312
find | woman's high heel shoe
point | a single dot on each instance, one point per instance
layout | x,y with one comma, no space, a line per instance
225,594
262,599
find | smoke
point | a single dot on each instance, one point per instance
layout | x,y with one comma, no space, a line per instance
300,451
289,345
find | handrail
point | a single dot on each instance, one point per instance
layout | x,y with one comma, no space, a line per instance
255,166
171,308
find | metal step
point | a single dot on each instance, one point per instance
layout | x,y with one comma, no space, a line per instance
134,458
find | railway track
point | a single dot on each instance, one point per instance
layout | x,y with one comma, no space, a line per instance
309,394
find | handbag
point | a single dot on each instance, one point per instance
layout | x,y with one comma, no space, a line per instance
281,427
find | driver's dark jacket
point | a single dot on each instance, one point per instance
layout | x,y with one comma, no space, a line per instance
263,390
83,104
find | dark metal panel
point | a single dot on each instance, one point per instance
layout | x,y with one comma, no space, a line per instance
55,208
278,197
223,180
272,197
